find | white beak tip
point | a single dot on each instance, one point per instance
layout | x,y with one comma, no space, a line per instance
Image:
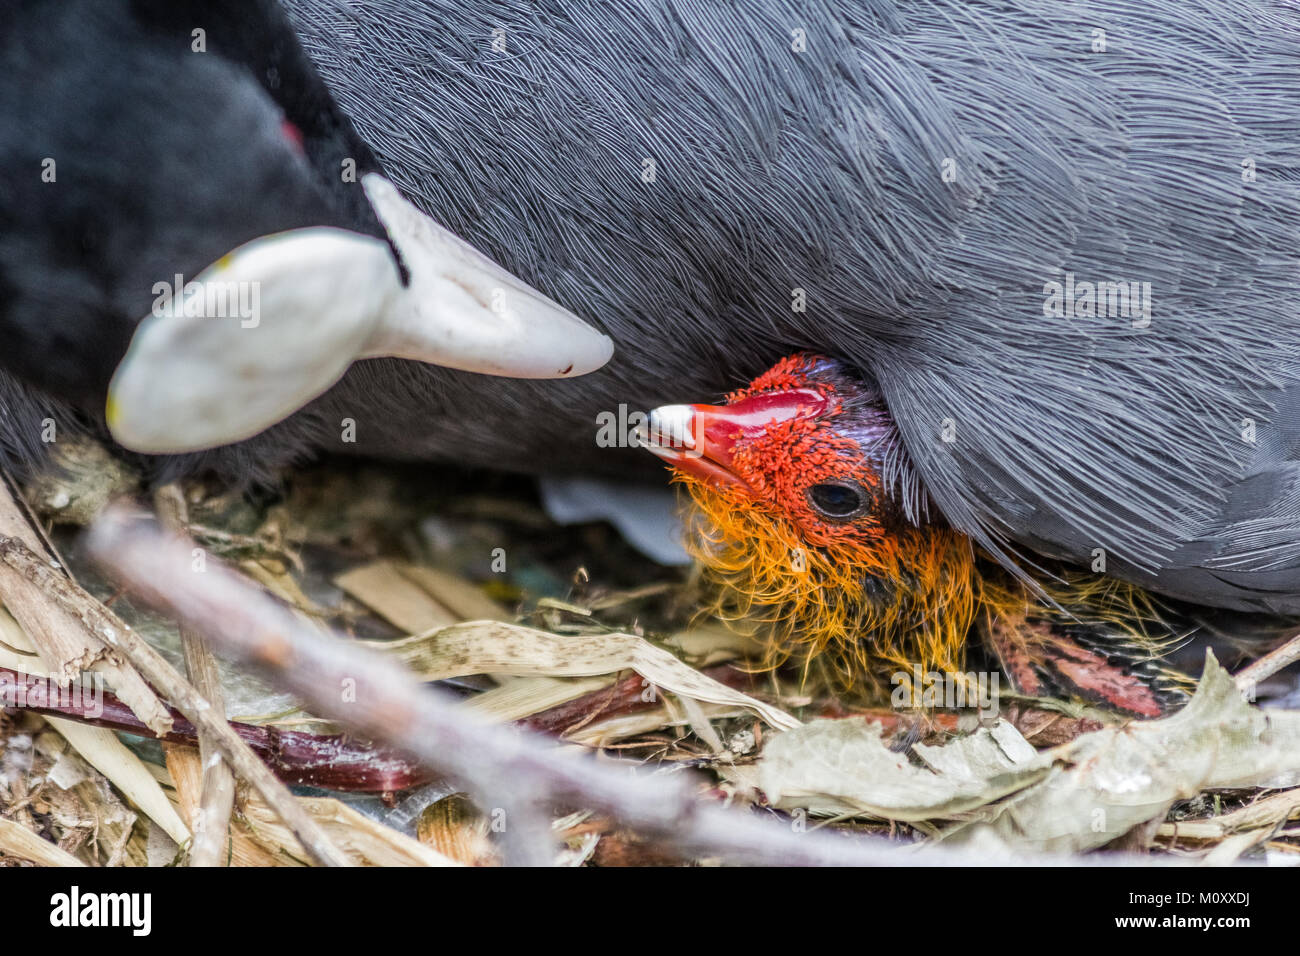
462,310
671,426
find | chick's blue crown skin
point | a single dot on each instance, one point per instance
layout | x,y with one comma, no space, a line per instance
898,185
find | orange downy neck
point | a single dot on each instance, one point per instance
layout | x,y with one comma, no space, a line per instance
873,606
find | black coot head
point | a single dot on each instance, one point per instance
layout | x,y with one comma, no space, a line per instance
134,150
162,154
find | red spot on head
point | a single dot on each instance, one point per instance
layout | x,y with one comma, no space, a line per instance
785,459
794,371
293,134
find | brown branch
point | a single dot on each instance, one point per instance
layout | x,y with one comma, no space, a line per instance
499,764
626,696
329,761
106,626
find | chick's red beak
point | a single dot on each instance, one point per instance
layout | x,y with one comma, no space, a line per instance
700,440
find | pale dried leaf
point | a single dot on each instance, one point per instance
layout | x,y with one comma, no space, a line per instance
520,697
601,733
459,596
403,603
837,767
18,841
100,748
481,647
1107,782
366,841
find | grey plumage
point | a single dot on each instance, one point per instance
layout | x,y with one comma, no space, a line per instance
822,170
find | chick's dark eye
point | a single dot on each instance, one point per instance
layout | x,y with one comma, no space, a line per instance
836,500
